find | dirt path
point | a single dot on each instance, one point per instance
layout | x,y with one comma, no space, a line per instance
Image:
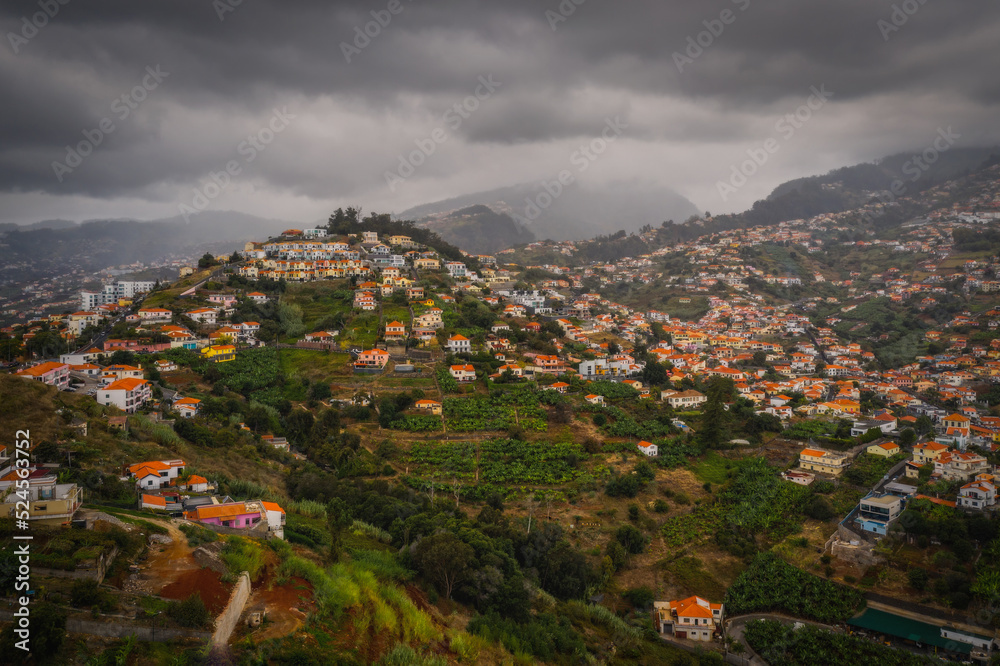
168,562
170,571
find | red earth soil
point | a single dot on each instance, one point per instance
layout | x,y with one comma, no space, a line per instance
205,582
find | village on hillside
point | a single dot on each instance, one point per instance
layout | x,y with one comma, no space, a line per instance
814,403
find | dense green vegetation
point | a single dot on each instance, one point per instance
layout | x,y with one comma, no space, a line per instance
771,585
783,645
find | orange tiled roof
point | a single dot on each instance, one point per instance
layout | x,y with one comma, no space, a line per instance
221,511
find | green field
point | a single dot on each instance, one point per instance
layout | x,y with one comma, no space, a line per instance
314,364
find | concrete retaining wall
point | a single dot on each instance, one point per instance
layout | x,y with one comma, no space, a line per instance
121,629
226,622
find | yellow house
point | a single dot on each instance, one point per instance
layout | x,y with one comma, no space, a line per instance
219,353
824,462
886,450
928,452
431,406
48,502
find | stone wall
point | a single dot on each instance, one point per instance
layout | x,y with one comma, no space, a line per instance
96,572
226,622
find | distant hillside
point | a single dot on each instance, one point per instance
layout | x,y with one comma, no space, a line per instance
844,189
479,230
579,212
93,245
879,175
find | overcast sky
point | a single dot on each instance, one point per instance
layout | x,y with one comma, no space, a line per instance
340,110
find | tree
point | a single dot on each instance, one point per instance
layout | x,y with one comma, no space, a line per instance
45,344
269,331
631,539
444,559
338,516
290,317
713,429
122,357
564,572
819,508
654,374
641,597
907,437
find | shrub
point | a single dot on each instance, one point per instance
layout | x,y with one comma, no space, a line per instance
88,594
918,578
189,613
640,597
631,539
241,554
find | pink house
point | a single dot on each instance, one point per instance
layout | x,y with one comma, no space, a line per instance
235,514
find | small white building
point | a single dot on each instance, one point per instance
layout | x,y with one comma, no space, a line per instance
459,344
649,449
156,474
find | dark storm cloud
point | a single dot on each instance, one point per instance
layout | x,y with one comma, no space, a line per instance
354,118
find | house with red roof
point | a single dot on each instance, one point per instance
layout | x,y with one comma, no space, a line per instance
127,395
187,407
694,618
50,372
371,360
155,474
430,406
463,373
649,449
459,344
395,330
979,493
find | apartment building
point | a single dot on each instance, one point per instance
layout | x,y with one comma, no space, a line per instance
127,395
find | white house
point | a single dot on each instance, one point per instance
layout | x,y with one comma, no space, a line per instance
187,407
127,395
649,449
459,343
154,314
204,315
156,474
463,373
979,494
456,269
